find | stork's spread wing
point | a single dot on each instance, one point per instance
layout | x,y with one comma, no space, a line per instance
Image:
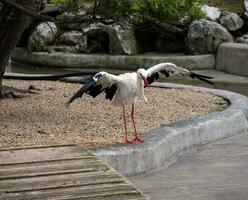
100,82
169,68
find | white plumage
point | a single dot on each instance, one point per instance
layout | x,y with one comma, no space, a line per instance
124,89
130,87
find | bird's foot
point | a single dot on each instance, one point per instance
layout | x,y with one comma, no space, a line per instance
138,139
127,141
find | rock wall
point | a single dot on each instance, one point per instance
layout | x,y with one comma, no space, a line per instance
201,37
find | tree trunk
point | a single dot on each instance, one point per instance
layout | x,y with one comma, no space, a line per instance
13,23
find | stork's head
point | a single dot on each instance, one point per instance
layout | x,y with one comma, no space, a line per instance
142,74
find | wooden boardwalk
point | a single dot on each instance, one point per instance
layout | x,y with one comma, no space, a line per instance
60,173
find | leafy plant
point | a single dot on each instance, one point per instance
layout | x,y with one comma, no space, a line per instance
169,9
181,10
70,6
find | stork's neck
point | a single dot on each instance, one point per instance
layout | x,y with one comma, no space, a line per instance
140,81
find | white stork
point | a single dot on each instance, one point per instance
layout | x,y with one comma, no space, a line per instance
125,88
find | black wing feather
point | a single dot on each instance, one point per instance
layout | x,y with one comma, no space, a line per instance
81,91
192,75
90,88
93,89
153,77
201,77
110,91
166,73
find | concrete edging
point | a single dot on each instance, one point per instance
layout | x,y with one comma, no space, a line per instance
121,62
162,143
232,58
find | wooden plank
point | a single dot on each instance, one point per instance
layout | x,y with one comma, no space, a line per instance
51,181
55,167
60,172
36,154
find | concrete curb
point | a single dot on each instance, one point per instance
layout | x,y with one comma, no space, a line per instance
230,55
162,143
122,62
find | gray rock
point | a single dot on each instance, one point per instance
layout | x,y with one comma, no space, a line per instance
43,36
205,36
212,13
126,39
121,41
82,46
243,39
76,39
231,21
71,38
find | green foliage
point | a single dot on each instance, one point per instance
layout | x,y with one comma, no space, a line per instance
169,9
71,6
182,10
114,8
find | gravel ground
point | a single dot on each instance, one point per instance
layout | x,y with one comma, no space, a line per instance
42,119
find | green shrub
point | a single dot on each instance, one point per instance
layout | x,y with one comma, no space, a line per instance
186,10
169,9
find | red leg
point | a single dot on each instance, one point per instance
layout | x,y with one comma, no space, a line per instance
137,137
127,141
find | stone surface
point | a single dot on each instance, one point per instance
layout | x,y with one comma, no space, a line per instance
231,21
126,39
213,13
216,171
205,36
72,38
232,58
63,48
43,36
162,143
121,41
243,39
125,62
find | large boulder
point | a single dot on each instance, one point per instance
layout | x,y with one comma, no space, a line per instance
231,21
71,38
76,39
43,36
205,36
212,13
119,40
126,39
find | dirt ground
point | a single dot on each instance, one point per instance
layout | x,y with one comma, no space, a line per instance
43,119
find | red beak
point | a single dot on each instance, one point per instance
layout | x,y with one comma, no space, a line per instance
145,81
